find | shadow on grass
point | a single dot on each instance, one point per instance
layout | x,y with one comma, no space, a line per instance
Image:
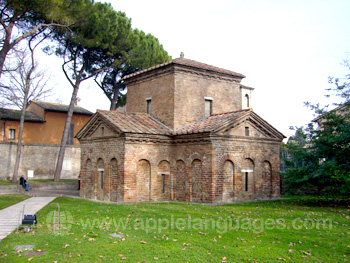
320,201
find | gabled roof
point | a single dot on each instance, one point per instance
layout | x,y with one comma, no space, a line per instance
142,123
126,122
8,114
225,121
213,122
57,107
134,122
188,63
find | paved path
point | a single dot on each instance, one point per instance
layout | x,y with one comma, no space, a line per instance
9,217
44,192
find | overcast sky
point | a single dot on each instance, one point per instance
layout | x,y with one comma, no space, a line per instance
286,49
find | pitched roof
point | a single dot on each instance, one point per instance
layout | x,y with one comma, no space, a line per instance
8,114
188,63
213,122
57,107
142,123
134,122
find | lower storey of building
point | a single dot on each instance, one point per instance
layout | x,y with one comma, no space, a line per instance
177,180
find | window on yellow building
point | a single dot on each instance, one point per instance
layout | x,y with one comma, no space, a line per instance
12,134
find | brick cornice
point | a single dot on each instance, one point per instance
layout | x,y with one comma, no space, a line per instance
182,69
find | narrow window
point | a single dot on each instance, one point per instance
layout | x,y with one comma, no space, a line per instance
102,131
12,133
163,183
246,131
149,106
101,179
246,181
246,100
208,108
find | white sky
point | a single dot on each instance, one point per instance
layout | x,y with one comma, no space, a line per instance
286,49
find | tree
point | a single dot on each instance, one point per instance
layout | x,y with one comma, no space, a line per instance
146,52
25,78
321,160
13,85
27,18
101,43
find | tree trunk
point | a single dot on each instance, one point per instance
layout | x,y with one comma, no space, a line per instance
57,175
23,112
114,99
21,125
6,46
115,94
20,134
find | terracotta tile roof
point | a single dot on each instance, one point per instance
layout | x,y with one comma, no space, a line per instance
142,123
49,106
134,122
188,63
8,114
212,123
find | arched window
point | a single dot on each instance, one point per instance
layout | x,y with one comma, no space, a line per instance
246,100
164,178
248,176
100,172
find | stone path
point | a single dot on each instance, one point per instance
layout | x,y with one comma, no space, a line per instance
9,217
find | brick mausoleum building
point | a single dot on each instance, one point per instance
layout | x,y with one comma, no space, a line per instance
189,134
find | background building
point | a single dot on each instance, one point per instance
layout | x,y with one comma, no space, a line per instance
42,134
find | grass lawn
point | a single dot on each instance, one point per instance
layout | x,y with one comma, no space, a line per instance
300,229
11,199
36,181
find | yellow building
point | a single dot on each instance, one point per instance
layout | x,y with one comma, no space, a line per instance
42,134
44,123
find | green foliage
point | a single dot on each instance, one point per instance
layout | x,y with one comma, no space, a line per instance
146,52
34,19
100,41
319,159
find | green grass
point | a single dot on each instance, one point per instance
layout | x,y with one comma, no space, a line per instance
11,199
37,181
294,230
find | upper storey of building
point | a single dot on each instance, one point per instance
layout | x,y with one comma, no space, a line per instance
183,91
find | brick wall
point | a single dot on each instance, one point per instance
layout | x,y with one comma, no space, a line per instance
191,91
178,99
161,92
199,169
111,153
258,158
